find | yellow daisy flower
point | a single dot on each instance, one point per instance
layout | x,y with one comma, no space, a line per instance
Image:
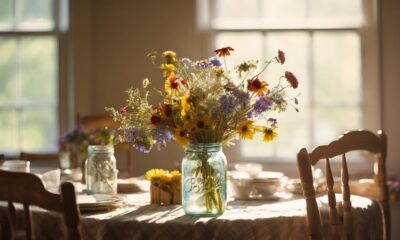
269,134
176,180
246,129
181,136
170,56
166,178
168,69
155,174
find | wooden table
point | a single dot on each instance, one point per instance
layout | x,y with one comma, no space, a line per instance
136,219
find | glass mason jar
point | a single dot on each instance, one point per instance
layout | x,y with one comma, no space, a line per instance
204,180
100,170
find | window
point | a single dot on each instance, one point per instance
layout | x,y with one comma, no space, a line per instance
29,75
323,40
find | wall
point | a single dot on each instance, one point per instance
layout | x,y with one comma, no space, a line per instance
111,41
390,59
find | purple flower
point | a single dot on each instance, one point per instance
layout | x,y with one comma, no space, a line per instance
134,136
242,96
203,64
263,104
163,135
215,61
228,103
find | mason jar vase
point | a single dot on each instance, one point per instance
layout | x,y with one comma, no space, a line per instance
204,169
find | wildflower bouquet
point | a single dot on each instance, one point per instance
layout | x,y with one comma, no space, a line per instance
204,102
76,142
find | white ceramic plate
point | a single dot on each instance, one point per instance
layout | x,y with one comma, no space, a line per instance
97,202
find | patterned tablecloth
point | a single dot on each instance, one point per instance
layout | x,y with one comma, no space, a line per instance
243,220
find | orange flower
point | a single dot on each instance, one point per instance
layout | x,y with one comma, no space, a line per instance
258,86
222,52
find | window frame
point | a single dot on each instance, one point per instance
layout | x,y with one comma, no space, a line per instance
60,32
370,74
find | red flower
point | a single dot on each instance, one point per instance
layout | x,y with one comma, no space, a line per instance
155,119
166,109
292,79
222,52
281,57
123,109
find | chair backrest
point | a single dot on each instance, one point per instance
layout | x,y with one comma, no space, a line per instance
41,158
28,189
350,141
38,156
93,122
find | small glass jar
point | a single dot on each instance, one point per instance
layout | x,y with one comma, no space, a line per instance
100,170
204,180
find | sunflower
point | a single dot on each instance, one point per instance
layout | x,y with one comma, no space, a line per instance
246,129
222,52
155,174
172,84
269,134
168,69
181,136
176,180
257,86
170,56
200,123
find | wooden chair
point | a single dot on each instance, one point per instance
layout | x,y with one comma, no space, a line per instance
41,158
350,141
124,150
27,189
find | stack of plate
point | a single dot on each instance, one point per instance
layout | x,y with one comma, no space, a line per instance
97,202
262,187
16,166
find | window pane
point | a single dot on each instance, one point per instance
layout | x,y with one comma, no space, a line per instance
234,9
9,131
8,47
284,12
39,68
256,148
6,14
296,48
332,122
294,127
35,15
247,46
343,11
337,60
39,129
